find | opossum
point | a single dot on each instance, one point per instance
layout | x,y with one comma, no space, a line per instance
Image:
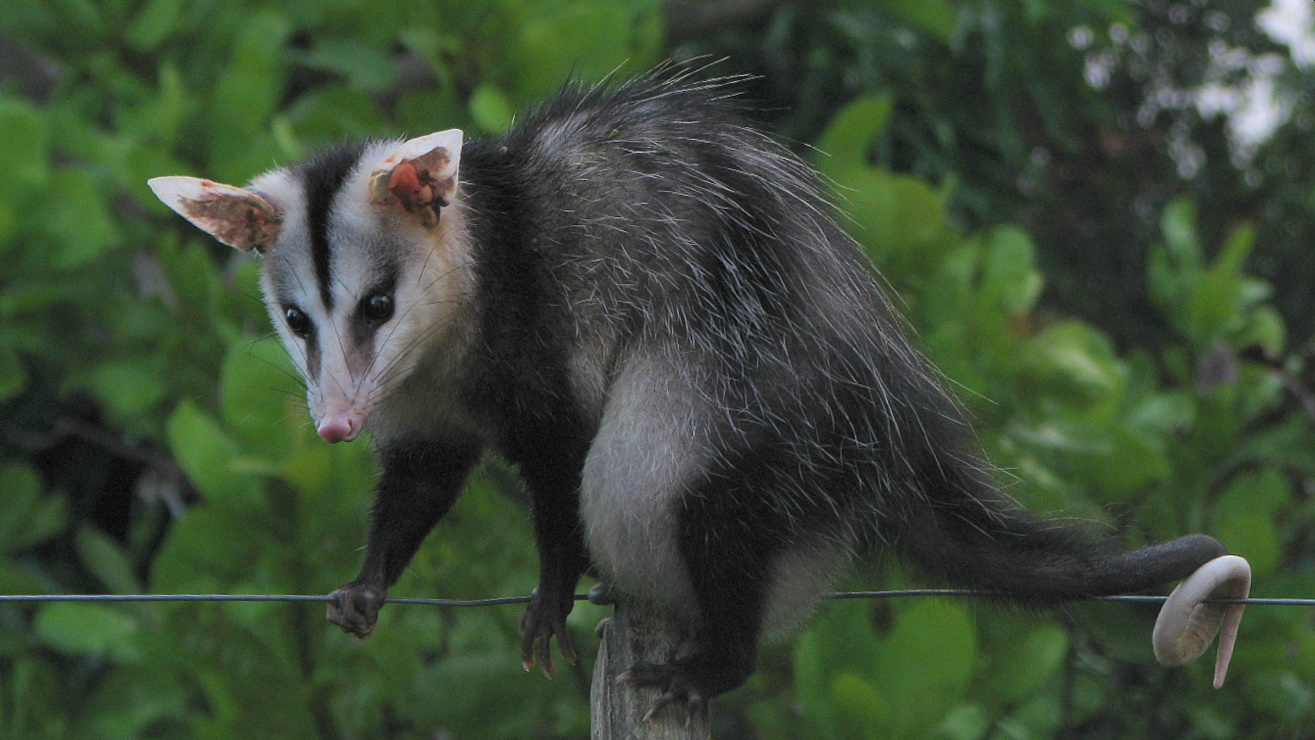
649,307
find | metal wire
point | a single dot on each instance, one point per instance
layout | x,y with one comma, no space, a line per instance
904,593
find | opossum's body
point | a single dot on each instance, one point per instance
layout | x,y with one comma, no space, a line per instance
648,307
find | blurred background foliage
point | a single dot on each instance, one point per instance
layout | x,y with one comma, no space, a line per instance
1097,216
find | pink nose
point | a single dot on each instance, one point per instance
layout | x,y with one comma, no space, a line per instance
338,430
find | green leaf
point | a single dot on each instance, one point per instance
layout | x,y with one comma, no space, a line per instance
248,92
1265,327
12,376
1179,228
810,676
335,111
158,120
587,40
898,218
861,710
77,219
207,550
132,699
1245,517
1216,303
839,641
24,148
131,388
847,141
1163,413
935,17
489,679
207,456
14,579
1070,437
432,46
195,280
1175,265
365,67
153,24
107,560
26,517
1074,362
1040,717
253,80
1009,278
1020,671
261,399
649,34
8,227
1134,461
36,695
490,108
89,629
925,665
964,722
948,296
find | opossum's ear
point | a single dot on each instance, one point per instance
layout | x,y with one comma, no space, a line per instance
236,217
420,175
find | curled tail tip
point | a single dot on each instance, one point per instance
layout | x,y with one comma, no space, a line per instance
1187,624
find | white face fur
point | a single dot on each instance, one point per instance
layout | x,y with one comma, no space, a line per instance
362,277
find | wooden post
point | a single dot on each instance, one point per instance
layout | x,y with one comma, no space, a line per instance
637,634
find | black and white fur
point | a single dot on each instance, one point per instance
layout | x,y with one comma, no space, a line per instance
650,309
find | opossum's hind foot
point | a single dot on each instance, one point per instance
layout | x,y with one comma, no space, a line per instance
689,681
355,607
544,619
677,684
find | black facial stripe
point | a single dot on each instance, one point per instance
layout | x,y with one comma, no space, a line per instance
323,176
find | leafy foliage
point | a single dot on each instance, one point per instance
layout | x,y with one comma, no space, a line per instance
1136,362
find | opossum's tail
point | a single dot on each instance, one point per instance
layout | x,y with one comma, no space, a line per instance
986,542
977,538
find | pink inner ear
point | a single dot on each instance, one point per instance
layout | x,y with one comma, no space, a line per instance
406,184
422,185
435,169
239,221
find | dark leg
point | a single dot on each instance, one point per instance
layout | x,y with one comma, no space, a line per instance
554,485
729,554
418,485
720,657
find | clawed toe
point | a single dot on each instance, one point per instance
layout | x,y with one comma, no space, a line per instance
675,683
355,607
541,622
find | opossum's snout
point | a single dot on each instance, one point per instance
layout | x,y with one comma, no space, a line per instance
341,401
337,418
341,397
340,428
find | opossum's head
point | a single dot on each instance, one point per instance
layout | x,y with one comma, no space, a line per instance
364,262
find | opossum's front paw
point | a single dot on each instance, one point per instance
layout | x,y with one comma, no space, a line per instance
677,684
544,619
355,606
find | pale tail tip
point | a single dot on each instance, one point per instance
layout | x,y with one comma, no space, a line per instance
1188,621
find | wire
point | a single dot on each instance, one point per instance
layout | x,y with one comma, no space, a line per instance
905,593
253,597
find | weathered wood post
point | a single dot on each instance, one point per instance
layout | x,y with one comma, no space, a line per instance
637,634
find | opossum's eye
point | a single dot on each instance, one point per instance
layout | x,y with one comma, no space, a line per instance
297,320
378,307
